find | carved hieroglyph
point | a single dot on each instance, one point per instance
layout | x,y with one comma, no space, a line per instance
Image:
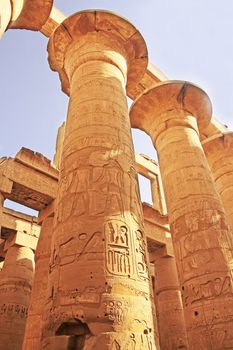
15,290
202,242
219,153
32,337
169,307
99,286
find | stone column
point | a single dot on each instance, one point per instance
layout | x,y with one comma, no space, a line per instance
219,153
15,291
169,113
32,338
100,291
169,307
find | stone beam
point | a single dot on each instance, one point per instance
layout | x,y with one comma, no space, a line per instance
28,179
56,17
150,169
20,229
13,221
157,232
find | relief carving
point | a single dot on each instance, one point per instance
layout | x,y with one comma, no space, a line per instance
141,260
213,288
118,250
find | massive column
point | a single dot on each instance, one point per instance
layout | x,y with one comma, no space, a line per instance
15,291
219,153
170,313
99,287
171,113
33,331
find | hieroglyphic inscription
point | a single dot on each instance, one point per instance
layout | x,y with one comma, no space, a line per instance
210,289
14,310
141,260
116,311
118,249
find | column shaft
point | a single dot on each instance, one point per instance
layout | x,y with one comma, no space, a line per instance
33,331
99,282
201,238
218,150
15,292
169,307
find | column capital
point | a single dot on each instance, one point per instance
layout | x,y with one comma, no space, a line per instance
219,143
106,34
28,14
170,104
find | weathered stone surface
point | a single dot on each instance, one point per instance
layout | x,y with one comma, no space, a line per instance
15,291
33,332
99,285
219,153
169,113
30,14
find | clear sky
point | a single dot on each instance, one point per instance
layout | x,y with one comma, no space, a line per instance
187,39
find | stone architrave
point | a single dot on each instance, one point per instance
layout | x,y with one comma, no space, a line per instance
33,331
15,291
169,307
99,286
219,153
171,113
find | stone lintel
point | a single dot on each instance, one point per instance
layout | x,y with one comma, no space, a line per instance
121,34
30,14
55,19
151,77
146,166
47,212
157,231
218,144
28,179
170,104
20,229
14,221
214,127
23,240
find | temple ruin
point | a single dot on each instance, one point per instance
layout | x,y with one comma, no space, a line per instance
98,269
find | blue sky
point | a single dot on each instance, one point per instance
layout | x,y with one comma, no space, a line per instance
187,39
